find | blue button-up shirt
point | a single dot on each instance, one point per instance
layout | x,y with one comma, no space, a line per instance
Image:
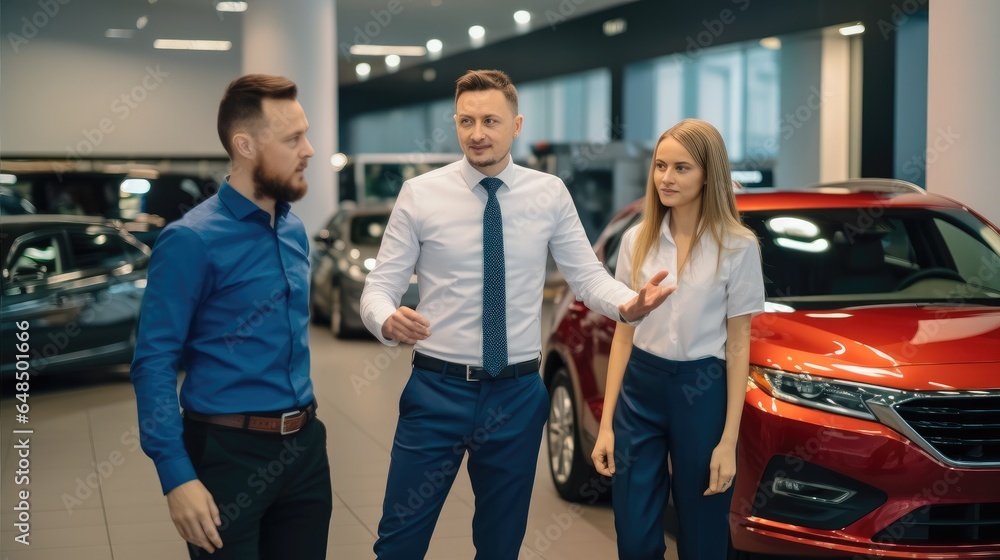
227,300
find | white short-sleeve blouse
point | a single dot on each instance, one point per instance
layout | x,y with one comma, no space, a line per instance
691,324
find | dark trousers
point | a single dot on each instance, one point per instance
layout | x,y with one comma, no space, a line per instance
499,423
273,491
676,408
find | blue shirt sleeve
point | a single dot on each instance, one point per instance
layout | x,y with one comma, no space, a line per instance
179,272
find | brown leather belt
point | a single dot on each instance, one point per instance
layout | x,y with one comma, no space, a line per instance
287,423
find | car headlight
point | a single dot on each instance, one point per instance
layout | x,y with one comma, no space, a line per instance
352,270
356,273
839,397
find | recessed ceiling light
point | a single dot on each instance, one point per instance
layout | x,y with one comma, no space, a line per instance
522,17
615,26
141,22
192,45
338,161
119,33
430,75
135,186
434,46
772,43
231,7
363,69
855,29
392,61
477,32
385,50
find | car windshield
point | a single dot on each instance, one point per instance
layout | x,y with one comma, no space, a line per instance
828,258
367,230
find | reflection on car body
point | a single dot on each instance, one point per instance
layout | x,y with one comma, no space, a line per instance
871,422
345,253
78,283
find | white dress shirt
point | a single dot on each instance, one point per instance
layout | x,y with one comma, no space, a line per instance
436,230
691,324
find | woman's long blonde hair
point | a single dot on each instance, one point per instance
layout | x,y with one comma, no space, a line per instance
719,216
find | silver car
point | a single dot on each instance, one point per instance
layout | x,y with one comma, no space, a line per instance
345,253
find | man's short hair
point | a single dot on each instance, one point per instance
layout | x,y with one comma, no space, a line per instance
241,105
482,80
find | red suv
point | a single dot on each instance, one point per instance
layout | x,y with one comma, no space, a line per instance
871,426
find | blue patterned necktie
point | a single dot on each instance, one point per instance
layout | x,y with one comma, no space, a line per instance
494,283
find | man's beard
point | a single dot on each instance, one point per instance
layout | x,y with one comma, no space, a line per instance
487,161
270,185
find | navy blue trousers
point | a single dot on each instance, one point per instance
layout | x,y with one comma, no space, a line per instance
676,408
441,418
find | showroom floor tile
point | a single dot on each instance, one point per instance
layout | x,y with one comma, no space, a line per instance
94,494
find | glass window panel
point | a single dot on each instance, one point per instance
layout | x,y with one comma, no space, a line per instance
763,97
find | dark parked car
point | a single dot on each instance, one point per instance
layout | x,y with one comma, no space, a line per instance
13,204
76,285
871,422
345,253
144,200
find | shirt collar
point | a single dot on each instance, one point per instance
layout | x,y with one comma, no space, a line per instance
665,228
241,206
472,176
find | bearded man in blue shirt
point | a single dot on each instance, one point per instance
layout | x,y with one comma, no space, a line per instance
245,470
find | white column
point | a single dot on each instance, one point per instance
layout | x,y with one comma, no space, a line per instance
297,40
963,120
835,113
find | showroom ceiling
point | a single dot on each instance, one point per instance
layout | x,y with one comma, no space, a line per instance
379,22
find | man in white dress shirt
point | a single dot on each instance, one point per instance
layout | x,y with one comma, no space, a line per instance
477,234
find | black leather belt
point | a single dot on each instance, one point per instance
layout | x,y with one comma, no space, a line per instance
473,373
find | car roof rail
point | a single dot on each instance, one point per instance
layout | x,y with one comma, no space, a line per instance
870,185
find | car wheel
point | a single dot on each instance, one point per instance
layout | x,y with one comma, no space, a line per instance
316,315
336,313
340,327
570,471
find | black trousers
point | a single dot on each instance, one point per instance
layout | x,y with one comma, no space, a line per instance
273,491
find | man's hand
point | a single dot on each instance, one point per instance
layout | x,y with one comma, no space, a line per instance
650,297
406,325
195,515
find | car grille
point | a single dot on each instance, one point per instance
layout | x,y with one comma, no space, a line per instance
962,429
951,524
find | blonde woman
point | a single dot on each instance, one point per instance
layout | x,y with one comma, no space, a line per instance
676,381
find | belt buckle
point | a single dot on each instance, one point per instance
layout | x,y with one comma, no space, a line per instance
468,374
284,417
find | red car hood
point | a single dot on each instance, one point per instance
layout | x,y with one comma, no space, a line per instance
896,346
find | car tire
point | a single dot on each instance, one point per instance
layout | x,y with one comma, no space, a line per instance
339,327
316,315
574,478
336,313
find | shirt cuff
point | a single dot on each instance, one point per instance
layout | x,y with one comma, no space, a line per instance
621,319
379,317
627,297
174,473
